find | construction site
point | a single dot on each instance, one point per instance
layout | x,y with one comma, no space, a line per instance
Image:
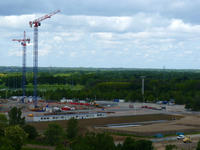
142,120
139,119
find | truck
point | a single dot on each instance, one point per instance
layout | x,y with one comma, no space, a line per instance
187,139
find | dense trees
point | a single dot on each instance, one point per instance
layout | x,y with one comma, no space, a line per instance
54,134
56,83
13,131
5,144
3,123
130,144
31,131
72,128
92,141
16,135
99,141
198,146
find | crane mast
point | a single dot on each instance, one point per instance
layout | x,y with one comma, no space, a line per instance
23,43
36,23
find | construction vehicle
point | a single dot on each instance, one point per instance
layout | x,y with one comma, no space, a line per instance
38,109
187,139
30,115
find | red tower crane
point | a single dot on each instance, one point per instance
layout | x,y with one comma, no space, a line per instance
23,43
36,23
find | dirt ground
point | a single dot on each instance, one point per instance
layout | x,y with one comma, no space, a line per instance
186,124
189,123
89,123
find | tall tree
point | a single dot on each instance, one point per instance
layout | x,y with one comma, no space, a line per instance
15,117
72,128
5,144
16,135
130,144
54,134
144,145
92,141
3,123
32,132
198,146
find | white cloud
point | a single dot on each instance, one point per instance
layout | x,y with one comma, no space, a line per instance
102,35
73,54
44,50
188,52
16,22
15,52
179,25
57,39
151,40
178,4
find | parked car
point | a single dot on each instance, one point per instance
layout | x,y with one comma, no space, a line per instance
163,107
159,102
180,137
145,106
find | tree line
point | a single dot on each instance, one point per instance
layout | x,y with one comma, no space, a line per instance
182,86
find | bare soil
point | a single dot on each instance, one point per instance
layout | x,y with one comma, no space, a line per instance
90,123
186,124
40,147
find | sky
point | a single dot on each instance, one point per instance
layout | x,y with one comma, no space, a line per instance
104,33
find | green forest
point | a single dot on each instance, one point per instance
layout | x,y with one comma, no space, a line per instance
106,84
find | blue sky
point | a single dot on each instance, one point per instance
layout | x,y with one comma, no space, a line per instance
104,33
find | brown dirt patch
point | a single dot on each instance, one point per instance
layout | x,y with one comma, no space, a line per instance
40,147
186,124
87,123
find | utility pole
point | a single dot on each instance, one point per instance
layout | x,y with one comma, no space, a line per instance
143,77
23,43
36,23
